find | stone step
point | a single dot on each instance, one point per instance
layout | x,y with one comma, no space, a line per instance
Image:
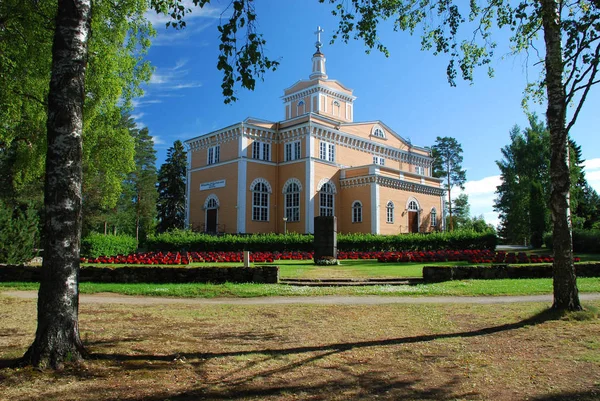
351,282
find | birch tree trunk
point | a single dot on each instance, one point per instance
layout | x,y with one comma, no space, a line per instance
57,338
566,296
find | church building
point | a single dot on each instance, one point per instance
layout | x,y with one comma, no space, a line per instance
260,176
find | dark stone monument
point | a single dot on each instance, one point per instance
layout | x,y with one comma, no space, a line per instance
325,244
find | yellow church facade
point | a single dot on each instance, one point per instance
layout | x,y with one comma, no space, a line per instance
260,176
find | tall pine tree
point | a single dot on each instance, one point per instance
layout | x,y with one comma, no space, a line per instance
171,189
447,164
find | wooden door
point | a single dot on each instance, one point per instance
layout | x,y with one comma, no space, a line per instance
211,220
413,222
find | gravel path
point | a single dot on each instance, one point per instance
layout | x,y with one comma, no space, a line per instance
110,298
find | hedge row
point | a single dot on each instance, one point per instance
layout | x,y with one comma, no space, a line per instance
584,241
182,241
95,245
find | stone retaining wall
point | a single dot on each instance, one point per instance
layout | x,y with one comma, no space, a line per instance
447,273
155,274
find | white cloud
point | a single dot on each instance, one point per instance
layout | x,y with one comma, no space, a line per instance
482,194
141,102
592,173
158,140
196,12
592,164
186,85
137,117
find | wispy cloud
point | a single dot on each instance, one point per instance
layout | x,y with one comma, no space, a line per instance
158,140
137,117
143,102
208,11
173,78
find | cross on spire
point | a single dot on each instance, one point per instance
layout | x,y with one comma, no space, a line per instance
318,33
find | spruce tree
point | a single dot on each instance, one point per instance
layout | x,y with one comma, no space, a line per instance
171,189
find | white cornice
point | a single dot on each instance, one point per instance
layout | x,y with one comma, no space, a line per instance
391,183
318,88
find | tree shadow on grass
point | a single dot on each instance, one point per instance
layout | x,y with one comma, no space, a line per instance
539,318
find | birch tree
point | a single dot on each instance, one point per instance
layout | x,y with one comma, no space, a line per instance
567,36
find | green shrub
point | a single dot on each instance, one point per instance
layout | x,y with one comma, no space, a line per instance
464,239
584,241
185,240
96,244
18,234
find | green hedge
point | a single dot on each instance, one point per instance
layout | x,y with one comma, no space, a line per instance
584,241
182,240
95,245
18,233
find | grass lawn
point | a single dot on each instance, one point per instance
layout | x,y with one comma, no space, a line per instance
312,352
448,288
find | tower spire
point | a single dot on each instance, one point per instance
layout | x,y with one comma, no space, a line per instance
318,44
318,60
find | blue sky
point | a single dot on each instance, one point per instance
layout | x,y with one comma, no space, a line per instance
407,91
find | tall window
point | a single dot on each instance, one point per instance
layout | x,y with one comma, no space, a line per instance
420,170
433,217
326,200
214,154
356,212
336,108
261,150
292,151
327,151
390,212
301,107
379,160
292,202
260,202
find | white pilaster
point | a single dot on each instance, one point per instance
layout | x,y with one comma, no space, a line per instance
310,195
375,218
188,184
241,195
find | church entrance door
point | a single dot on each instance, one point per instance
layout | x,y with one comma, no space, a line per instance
413,222
211,220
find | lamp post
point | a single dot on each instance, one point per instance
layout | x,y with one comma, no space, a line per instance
285,225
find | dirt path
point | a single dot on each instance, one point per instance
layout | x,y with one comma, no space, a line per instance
110,298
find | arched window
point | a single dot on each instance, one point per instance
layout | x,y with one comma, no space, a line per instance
212,204
433,217
326,198
260,200
412,206
357,212
292,202
377,131
390,212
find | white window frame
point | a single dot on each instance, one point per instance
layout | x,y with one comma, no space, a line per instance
303,105
379,160
292,202
420,170
389,210
327,151
260,202
357,212
327,200
213,154
292,151
335,108
378,132
261,150
433,217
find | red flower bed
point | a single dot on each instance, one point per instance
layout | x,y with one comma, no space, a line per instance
471,256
